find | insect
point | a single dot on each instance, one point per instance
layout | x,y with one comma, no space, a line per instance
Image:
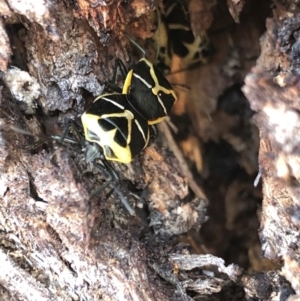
174,37
149,92
146,88
120,130
119,123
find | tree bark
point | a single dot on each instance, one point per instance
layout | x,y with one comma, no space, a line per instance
57,243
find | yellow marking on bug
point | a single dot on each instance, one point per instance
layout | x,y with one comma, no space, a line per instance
127,82
106,138
170,8
157,120
104,95
157,87
142,80
178,26
140,129
129,117
113,102
160,36
192,48
149,87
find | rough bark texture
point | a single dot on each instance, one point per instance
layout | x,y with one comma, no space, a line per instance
57,244
272,88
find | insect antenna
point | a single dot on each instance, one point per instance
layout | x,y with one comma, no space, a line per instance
136,45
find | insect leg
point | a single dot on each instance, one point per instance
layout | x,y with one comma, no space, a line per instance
112,180
119,65
71,127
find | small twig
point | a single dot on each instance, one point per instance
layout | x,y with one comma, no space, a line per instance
163,127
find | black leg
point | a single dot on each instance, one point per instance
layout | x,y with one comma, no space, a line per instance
71,127
77,132
113,181
38,143
112,83
153,131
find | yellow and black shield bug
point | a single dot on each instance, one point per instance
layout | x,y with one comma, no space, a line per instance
117,127
148,91
120,123
174,37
